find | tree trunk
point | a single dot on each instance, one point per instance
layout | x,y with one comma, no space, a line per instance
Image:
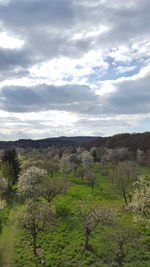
75,170
34,245
130,197
87,246
121,256
92,188
87,242
125,198
119,261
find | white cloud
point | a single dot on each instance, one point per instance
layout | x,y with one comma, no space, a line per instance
73,70
92,32
11,42
123,69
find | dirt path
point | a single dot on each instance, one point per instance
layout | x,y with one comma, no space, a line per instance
7,241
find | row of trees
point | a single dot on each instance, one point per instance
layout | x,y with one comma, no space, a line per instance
98,154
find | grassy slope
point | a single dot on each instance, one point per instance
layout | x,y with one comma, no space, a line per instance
63,245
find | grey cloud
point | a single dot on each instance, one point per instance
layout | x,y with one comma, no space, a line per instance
11,58
102,127
14,135
44,97
26,14
130,97
98,123
48,26
15,62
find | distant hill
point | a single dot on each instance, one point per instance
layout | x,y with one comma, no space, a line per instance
132,141
47,142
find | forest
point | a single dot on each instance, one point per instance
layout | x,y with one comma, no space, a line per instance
76,204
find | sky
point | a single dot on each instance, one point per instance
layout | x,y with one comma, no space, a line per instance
74,68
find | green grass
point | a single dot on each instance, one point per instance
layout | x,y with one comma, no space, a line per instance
144,170
7,238
63,243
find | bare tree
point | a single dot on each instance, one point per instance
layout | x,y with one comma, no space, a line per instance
50,165
81,172
140,156
97,215
52,187
35,218
147,157
122,241
90,178
123,177
74,161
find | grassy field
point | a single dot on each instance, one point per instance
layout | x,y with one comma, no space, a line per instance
63,243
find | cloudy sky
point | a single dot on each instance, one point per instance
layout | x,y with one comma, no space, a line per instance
74,67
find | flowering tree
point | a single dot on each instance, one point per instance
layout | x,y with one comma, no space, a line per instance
140,204
2,204
86,159
65,164
30,182
5,176
3,183
35,182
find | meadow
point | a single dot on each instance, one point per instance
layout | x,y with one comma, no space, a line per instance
63,243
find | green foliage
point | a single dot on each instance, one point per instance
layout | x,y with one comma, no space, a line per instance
10,158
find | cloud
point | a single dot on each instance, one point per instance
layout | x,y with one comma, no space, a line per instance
49,29
44,97
59,21
49,125
131,95
122,69
86,58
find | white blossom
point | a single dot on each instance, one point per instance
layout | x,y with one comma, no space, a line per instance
29,181
140,204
